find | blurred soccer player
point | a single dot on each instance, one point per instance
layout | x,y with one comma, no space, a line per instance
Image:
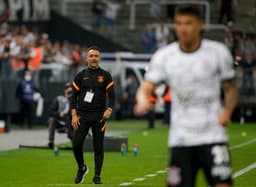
194,68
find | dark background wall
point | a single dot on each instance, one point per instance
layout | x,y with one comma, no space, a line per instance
61,28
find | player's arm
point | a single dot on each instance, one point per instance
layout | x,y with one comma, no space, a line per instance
230,101
142,98
111,98
155,74
227,74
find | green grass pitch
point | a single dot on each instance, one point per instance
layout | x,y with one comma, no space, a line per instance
34,167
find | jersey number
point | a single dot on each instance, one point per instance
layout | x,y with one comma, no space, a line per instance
220,154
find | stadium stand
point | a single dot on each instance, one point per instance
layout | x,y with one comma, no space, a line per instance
64,56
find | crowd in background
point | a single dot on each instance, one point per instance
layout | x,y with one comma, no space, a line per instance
22,48
153,38
243,49
104,15
242,46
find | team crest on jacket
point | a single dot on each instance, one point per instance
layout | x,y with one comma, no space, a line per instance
100,79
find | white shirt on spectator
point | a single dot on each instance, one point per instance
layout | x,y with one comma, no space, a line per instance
14,48
112,9
162,33
30,37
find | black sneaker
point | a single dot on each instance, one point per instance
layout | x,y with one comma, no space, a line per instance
81,173
96,180
50,145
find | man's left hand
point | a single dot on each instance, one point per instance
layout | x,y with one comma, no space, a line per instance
106,114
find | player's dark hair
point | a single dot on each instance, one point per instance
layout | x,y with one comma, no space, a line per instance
188,9
94,47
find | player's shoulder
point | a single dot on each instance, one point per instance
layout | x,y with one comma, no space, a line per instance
82,73
215,45
167,50
104,72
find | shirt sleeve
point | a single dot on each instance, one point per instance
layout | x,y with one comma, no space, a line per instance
156,72
109,81
110,91
225,63
76,85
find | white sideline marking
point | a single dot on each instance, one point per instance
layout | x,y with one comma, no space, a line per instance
245,170
150,175
161,171
138,179
126,184
243,144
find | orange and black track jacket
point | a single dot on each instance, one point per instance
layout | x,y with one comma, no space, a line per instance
97,81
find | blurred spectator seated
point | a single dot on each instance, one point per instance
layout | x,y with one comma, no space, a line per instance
59,118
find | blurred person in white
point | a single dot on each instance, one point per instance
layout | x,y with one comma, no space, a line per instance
155,9
162,35
59,117
62,58
58,55
112,8
27,35
26,54
195,68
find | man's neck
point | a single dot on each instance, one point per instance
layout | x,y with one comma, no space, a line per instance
191,46
93,68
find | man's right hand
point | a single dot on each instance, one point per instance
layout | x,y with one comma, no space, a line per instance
75,121
142,107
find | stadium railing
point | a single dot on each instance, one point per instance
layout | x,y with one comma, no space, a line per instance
134,3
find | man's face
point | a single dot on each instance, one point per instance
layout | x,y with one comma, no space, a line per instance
93,58
188,27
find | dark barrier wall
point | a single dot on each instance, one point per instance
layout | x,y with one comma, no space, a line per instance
61,28
7,96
